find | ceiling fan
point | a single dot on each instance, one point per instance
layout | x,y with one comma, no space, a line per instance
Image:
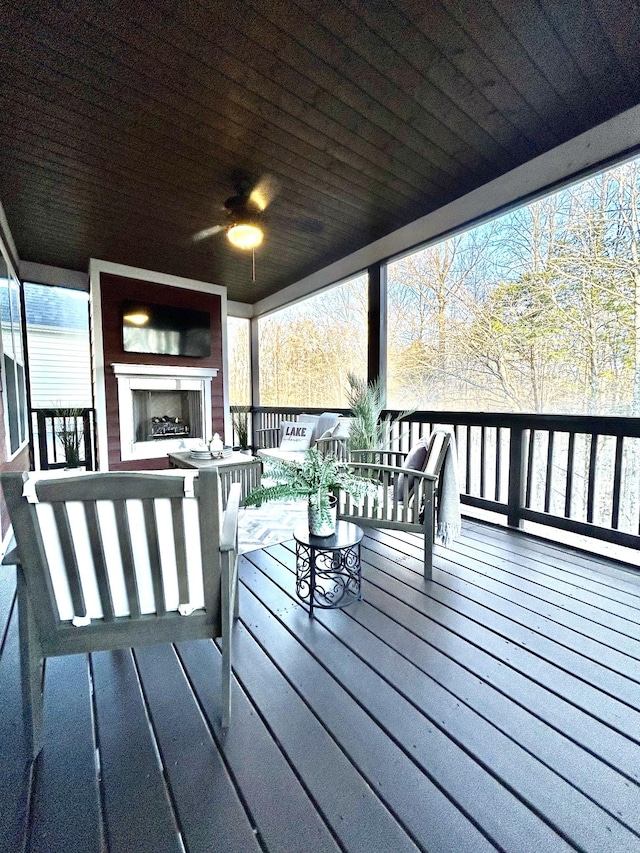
244,213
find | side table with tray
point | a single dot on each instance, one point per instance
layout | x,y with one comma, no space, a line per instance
233,466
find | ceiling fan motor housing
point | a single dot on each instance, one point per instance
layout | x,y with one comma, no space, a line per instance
241,209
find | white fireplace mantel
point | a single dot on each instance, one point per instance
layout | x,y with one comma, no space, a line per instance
157,370
148,377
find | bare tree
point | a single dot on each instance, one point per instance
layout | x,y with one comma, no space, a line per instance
307,350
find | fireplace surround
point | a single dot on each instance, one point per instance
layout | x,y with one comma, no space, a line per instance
162,409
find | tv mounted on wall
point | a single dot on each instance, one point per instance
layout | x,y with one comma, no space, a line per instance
165,330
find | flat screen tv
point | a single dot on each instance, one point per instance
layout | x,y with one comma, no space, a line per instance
165,330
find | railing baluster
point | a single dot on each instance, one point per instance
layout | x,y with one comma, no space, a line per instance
549,472
532,443
42,440
483,442
617,481
568,489
496,490
467,474
591,482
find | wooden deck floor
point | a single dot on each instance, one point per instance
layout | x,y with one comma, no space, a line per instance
496,708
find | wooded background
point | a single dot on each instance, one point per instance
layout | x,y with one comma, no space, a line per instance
535,311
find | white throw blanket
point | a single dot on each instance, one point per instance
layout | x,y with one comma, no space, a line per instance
449,519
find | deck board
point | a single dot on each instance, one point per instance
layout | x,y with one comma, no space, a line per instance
132,780
495,708
15,774
464,722
552,559
522,630
533,575
283,808
601,783
556,617
7,594
66,813
344,798
474,653
209,810
414,797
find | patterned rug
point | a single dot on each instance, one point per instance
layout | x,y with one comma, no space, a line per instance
269,524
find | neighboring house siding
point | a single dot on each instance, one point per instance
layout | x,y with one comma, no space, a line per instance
59,365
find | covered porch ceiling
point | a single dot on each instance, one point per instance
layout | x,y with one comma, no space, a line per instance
125,126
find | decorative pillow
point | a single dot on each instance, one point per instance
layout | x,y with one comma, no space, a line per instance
321,423
416,460
326,421
326,434
342,428
308,419
296,435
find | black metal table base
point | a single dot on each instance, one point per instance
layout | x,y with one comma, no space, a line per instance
327,576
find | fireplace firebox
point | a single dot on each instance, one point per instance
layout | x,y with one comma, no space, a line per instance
158,415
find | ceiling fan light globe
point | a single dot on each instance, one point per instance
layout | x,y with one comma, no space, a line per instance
245,236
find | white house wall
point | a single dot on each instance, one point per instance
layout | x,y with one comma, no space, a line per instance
59,363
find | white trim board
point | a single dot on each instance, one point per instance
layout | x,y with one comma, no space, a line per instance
4,226
600,144
97,266
240,309
56,276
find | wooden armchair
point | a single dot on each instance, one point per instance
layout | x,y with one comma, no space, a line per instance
116,560
406,497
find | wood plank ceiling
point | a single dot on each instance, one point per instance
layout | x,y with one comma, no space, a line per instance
125,124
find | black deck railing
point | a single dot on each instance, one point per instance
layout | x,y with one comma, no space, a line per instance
50,449
575,473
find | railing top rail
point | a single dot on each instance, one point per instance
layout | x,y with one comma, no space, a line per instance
596,424
294,410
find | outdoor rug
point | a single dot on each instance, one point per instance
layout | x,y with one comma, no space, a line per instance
269,524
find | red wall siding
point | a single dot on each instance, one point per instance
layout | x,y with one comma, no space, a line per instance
114,291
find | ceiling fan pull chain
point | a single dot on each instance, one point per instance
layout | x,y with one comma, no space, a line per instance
253,265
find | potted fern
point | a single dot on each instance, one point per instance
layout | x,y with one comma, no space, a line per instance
240,423
316,477
69,433
369,430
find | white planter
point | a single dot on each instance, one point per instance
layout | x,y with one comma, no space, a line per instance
322,516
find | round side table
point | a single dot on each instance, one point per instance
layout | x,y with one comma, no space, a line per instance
328,571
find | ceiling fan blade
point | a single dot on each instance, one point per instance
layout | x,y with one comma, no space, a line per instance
264,191
207,232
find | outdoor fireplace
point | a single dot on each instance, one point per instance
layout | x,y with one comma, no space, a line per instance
162,409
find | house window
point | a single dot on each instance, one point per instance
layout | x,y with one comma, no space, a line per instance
307,349
13,371
535,311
